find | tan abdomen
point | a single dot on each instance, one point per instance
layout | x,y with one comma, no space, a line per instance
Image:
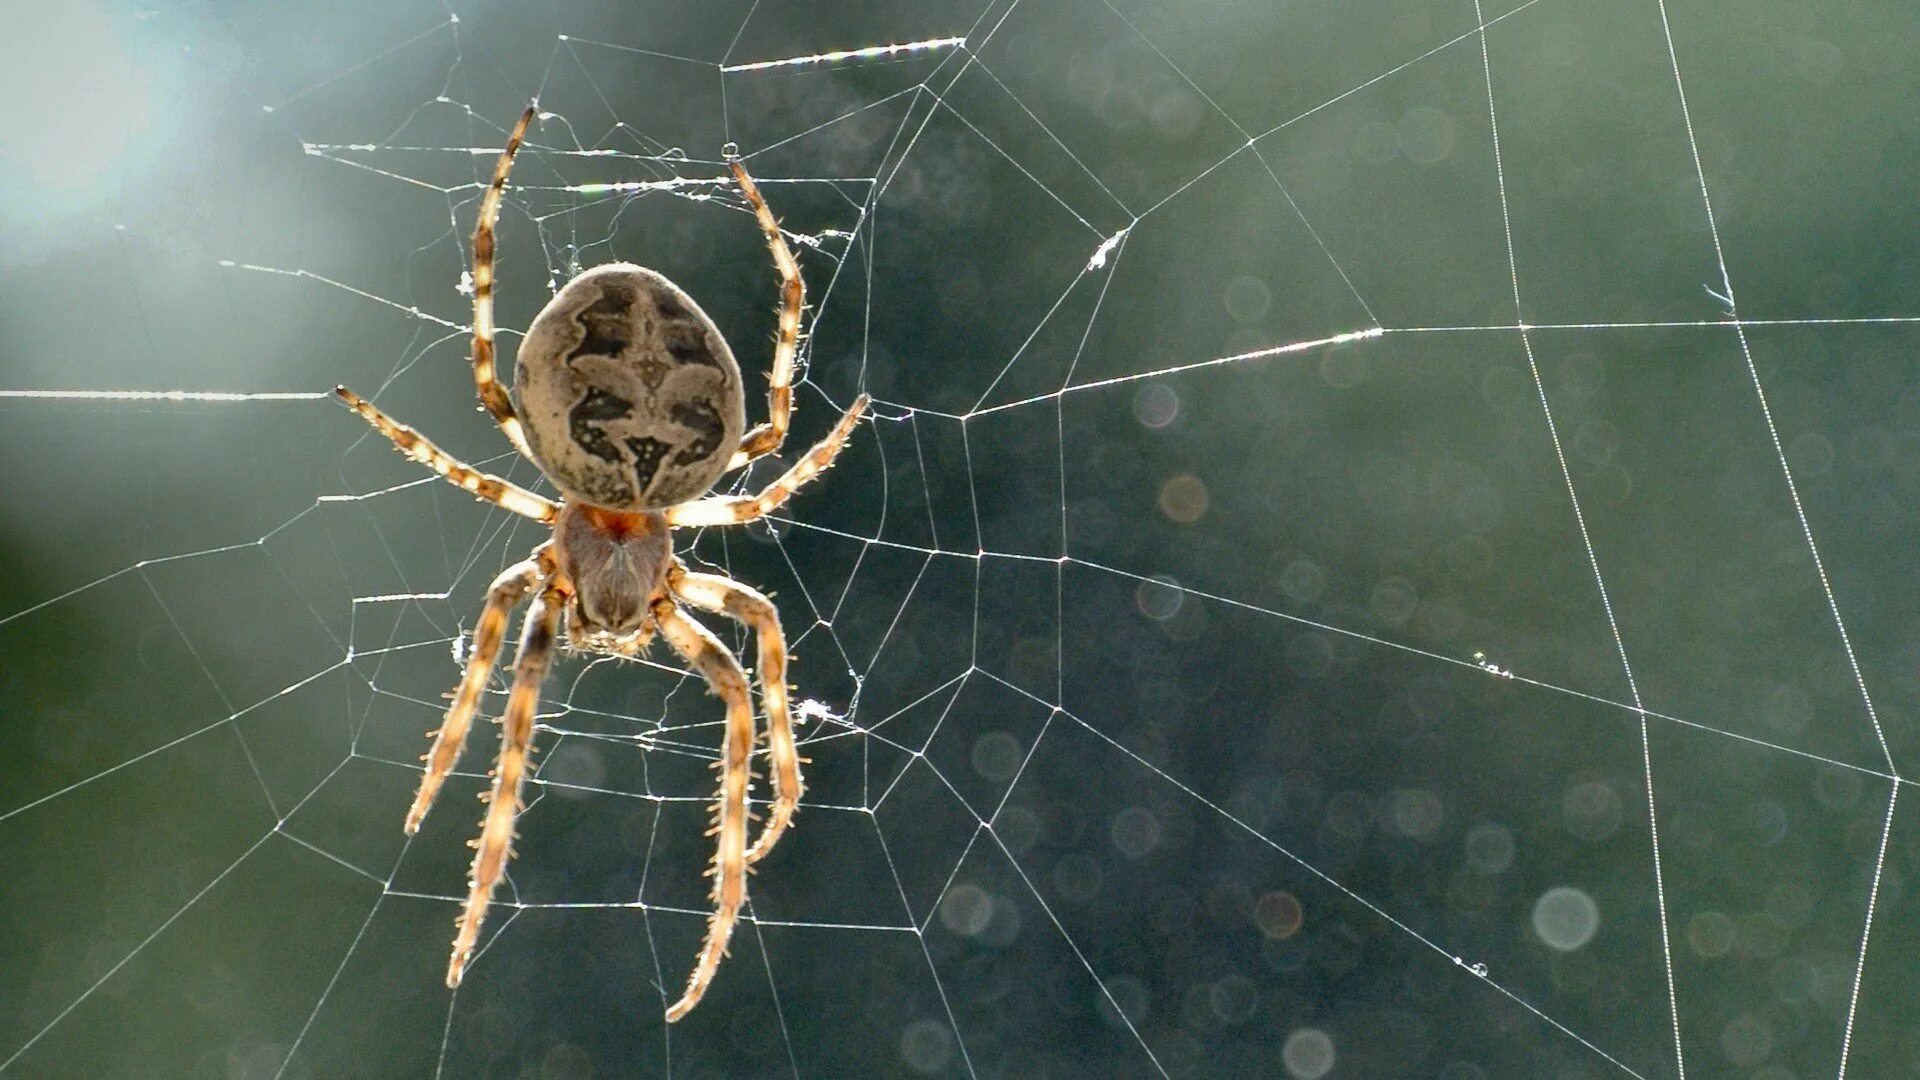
630,396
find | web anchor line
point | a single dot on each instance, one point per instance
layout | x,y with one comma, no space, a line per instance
169,396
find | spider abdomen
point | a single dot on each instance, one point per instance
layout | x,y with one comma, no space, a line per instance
630,396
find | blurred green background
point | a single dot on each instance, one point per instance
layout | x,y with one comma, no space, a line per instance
1157,734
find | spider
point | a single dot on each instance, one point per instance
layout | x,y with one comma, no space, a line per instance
629,401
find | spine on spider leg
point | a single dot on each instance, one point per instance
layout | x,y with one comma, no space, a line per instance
492,395
729,892
495,844
783,758
450,738
728,868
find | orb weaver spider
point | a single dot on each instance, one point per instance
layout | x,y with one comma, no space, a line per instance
628,399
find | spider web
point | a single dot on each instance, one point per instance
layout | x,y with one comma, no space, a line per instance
1380,549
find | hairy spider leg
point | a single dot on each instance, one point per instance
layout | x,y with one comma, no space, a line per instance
749,607
716,663
766,438
495,843
492,394
736,509
508,589
502,493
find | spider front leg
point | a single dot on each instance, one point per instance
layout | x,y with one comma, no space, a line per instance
502,493
716,664
736,509
508,589
725,596
495,843
767,437
492,394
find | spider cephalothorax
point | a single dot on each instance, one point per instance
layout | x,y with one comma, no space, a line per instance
617,563
629,401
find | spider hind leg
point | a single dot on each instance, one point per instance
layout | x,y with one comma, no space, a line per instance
508,589
495,844
717,665
751,608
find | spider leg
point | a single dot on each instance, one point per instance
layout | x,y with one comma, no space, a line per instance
502,493
508,589
716,663
735,509
495,843
493,395
767,437
725,596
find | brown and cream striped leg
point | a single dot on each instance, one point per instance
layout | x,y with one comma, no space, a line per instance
502,493
767,437
716,664
492,394
725,596
508,589
735,509
495,843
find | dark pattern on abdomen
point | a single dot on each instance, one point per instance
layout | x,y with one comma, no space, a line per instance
585,419
648,453
605,324
669,305
686,342
710,431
